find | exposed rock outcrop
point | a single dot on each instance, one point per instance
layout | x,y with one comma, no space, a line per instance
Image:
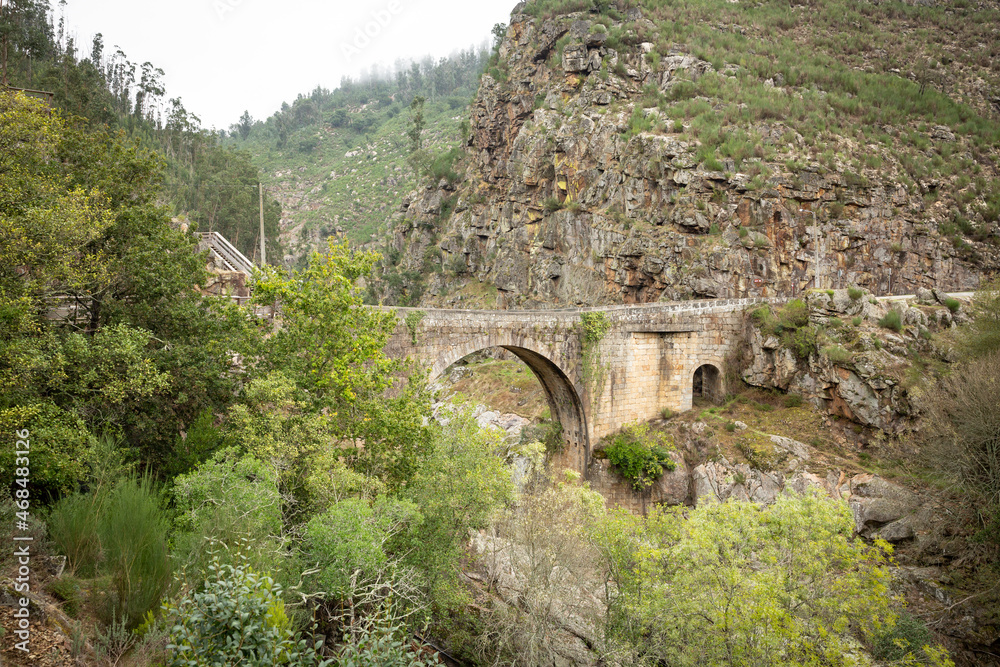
851,365
577,193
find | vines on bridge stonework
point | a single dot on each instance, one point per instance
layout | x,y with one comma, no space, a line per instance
594,326
412,322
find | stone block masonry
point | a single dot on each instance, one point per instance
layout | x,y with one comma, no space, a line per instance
647,360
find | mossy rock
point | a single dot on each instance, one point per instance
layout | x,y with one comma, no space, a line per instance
760,452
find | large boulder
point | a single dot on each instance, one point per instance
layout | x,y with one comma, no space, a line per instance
884,510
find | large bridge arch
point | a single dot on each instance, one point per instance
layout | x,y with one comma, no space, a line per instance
562,394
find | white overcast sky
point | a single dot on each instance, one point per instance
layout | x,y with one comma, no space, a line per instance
224,56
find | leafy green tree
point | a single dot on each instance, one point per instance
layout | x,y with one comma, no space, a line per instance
348,544
227,500
462,483
417,123
245,125
219,189
739,584
139,352
332,348
24,31
499,32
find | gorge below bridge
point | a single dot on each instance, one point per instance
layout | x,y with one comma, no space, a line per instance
651,357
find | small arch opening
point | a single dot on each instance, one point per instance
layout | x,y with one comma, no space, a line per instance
707,384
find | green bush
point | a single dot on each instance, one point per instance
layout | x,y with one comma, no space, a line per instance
857,321
385,642
225,499
763,316
73,529
348,541
133,532
552,204
201,441
803,342
837,354
68,590
793,400
639,456
909,634
793,315
666,413
442,166
892,320
952,304
855,293
695,586
730,427
236,618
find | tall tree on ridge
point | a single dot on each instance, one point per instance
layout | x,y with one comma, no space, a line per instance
23,32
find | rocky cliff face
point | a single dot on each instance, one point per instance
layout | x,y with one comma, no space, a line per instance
590,179
860,359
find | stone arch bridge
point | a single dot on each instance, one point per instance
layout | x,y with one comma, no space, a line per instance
651,357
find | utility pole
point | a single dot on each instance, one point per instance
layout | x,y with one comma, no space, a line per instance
263,257
816,267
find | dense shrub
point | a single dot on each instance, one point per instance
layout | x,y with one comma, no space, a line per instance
225,499
908,634
982,335
73,529
892,320
133,534
793,400
237,618
640,456
803,342
68,590
119,532
735,583
348,542
837,354
793,315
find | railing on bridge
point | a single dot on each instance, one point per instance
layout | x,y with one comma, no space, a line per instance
227,253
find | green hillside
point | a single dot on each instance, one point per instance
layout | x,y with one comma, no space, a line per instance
337,160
